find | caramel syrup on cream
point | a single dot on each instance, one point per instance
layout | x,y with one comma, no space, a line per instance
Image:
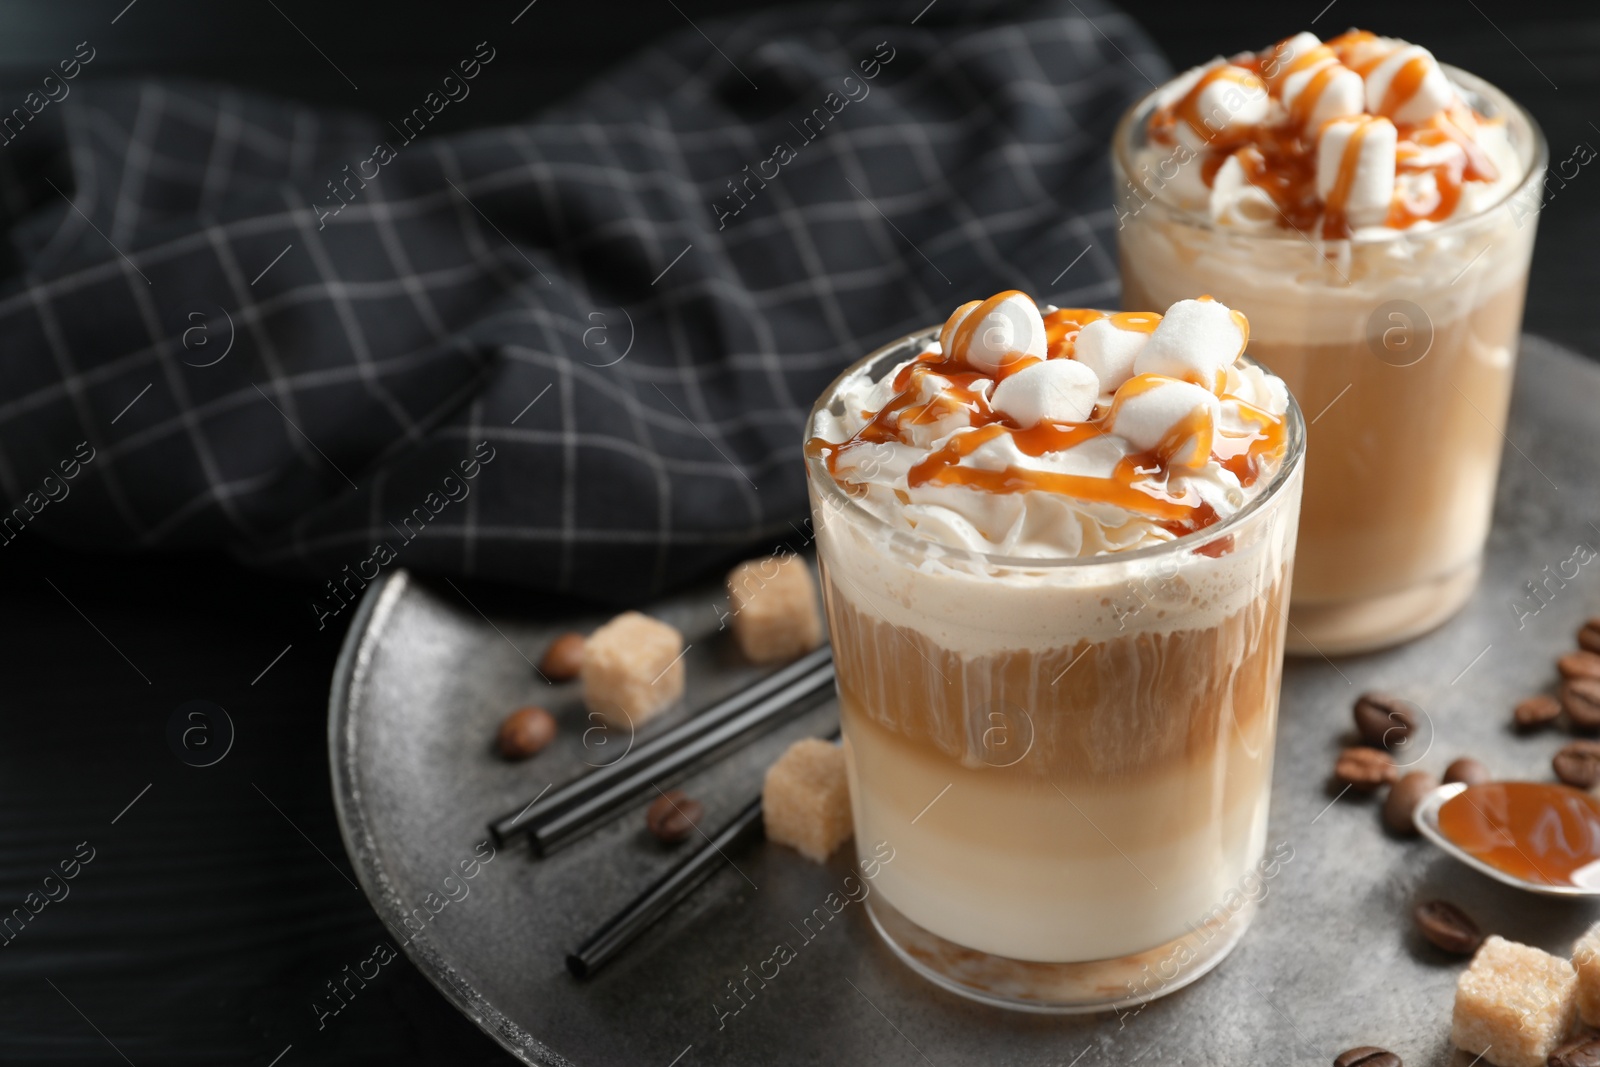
1281,159
1140,482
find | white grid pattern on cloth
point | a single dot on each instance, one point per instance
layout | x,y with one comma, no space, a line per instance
459,283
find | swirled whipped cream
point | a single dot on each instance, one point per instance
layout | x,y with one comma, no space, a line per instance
1359,136
1068,433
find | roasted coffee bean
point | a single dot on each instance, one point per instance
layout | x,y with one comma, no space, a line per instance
1467,770
1582,1052
1578,763
1580,697
1385,721
1579,665
525,732
1367,1056
1402,801
673,816
1589,636
1536,712
1448,927
563,659
1364,769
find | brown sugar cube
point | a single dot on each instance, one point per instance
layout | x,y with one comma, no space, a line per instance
1516,1002
773,607
1586,959
806,799
632,669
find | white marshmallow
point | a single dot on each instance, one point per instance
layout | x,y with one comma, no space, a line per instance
1281,60
1014,328
1109,352
953,323
1150,410
1364,53
1061,390
1433,94
1236,201
1195,342
1343,94
1367,202
1237,100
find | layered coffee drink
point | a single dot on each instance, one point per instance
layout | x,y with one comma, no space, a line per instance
1373,212
1055,551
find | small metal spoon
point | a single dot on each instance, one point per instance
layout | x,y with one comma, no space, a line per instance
1426,817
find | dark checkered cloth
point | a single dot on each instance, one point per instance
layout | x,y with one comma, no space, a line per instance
575,354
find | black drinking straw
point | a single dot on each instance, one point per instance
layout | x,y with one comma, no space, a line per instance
798,679
664,894
550,832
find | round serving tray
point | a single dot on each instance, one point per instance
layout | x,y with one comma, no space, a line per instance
1331,961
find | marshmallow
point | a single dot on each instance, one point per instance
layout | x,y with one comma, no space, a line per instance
1237,201
1060,390
1370,171
1290,55
1196,341
1109,351
1012,329
953,323
1174,418
1361,51
1408,86
1225,99
1337,92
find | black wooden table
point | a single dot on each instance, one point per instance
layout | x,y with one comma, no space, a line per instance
219,903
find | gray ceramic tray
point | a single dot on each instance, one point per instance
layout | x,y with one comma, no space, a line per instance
1331,961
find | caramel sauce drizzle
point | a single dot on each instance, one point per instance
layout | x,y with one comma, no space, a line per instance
1140,481
1281,159
1539,832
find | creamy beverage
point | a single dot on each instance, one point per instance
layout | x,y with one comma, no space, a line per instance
1055,551
1373,213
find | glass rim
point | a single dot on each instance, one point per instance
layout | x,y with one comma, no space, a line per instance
835,494
1538,161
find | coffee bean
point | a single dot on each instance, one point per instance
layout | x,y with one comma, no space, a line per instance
1580,697
673,816
1579,665
1582,1052
1536,712
563,659
1402,801
1367,1056
1364,769
1385,721
1589,636
1448,927
1468,771
525,732
1578,763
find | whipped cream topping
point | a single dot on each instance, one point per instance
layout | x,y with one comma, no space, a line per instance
1359,136
1068,433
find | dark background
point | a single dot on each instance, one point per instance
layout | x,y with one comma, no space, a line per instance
219,904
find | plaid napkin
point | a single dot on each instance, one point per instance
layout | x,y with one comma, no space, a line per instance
576,353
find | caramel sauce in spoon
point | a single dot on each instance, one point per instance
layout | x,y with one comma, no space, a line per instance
1536,831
